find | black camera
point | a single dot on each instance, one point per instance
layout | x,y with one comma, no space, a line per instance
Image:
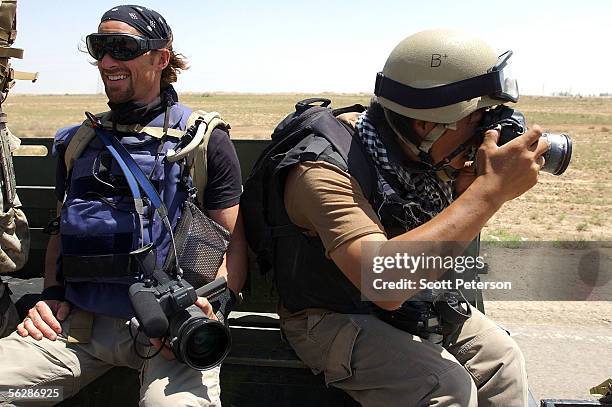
428,319
164,308
513,124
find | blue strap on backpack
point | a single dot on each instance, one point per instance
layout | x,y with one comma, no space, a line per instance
135,178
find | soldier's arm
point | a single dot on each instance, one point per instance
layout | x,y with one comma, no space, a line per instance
222,199
503,174
234,267
43,319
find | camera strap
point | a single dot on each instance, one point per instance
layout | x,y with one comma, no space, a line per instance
453,309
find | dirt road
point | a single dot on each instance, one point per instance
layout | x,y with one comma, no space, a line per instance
567,345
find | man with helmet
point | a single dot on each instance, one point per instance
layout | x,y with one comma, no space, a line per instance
417,134
80,329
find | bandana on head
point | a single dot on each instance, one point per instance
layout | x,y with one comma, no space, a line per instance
148,22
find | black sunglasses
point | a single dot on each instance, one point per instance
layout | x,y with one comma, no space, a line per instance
121,46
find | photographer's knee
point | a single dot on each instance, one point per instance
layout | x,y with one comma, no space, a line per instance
507,352
456,387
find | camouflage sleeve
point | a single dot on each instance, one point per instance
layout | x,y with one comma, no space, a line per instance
14,232
15,238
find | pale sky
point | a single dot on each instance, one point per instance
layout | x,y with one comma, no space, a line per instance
324,46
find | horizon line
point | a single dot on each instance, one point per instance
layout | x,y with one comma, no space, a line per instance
560,94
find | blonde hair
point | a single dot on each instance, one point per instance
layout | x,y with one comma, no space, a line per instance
176,64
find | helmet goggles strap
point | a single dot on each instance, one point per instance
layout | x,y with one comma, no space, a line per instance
496,82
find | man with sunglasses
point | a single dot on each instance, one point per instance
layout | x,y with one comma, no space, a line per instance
79,330
405,346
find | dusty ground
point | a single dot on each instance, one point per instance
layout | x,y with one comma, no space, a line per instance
574,206
567,345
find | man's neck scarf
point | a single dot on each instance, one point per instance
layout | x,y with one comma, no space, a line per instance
143,113
421,193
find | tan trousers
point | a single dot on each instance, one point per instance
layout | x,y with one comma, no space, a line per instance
26,362
379,365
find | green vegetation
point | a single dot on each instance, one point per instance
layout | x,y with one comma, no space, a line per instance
581,227
501,235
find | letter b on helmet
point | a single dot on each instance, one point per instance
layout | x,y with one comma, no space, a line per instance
430,59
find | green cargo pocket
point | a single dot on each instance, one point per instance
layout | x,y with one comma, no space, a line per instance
335,335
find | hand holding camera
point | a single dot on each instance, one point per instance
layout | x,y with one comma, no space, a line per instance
465,177
510,156
510,170
164,347
170,308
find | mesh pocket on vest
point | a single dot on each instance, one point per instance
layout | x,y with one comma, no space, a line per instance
200,245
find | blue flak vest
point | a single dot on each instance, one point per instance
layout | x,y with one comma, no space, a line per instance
99,225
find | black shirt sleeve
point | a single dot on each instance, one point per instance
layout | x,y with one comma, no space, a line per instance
224,185
60,179
60,142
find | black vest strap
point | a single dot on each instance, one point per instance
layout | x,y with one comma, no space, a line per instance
5,299
305,276
108,265
285,230
360,166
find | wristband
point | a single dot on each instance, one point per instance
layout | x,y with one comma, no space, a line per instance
223,305
52,227
55,292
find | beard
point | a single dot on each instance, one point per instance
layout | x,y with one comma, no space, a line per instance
116,94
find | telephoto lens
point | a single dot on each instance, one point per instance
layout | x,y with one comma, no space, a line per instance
513,124
198,341
559,153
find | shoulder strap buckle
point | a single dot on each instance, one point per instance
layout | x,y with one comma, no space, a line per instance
200,126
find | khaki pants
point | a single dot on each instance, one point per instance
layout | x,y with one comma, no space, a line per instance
379,365
26,362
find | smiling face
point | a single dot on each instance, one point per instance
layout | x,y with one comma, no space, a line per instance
136,80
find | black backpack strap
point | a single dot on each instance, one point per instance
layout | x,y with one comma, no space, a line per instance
311,133
308,103
311,120
350,148
359,108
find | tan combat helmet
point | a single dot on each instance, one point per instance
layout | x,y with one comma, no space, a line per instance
442,76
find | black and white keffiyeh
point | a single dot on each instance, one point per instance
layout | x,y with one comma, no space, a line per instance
421,193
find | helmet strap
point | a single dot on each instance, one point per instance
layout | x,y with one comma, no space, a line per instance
435,134
411,146
424,149
443,168
444,171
